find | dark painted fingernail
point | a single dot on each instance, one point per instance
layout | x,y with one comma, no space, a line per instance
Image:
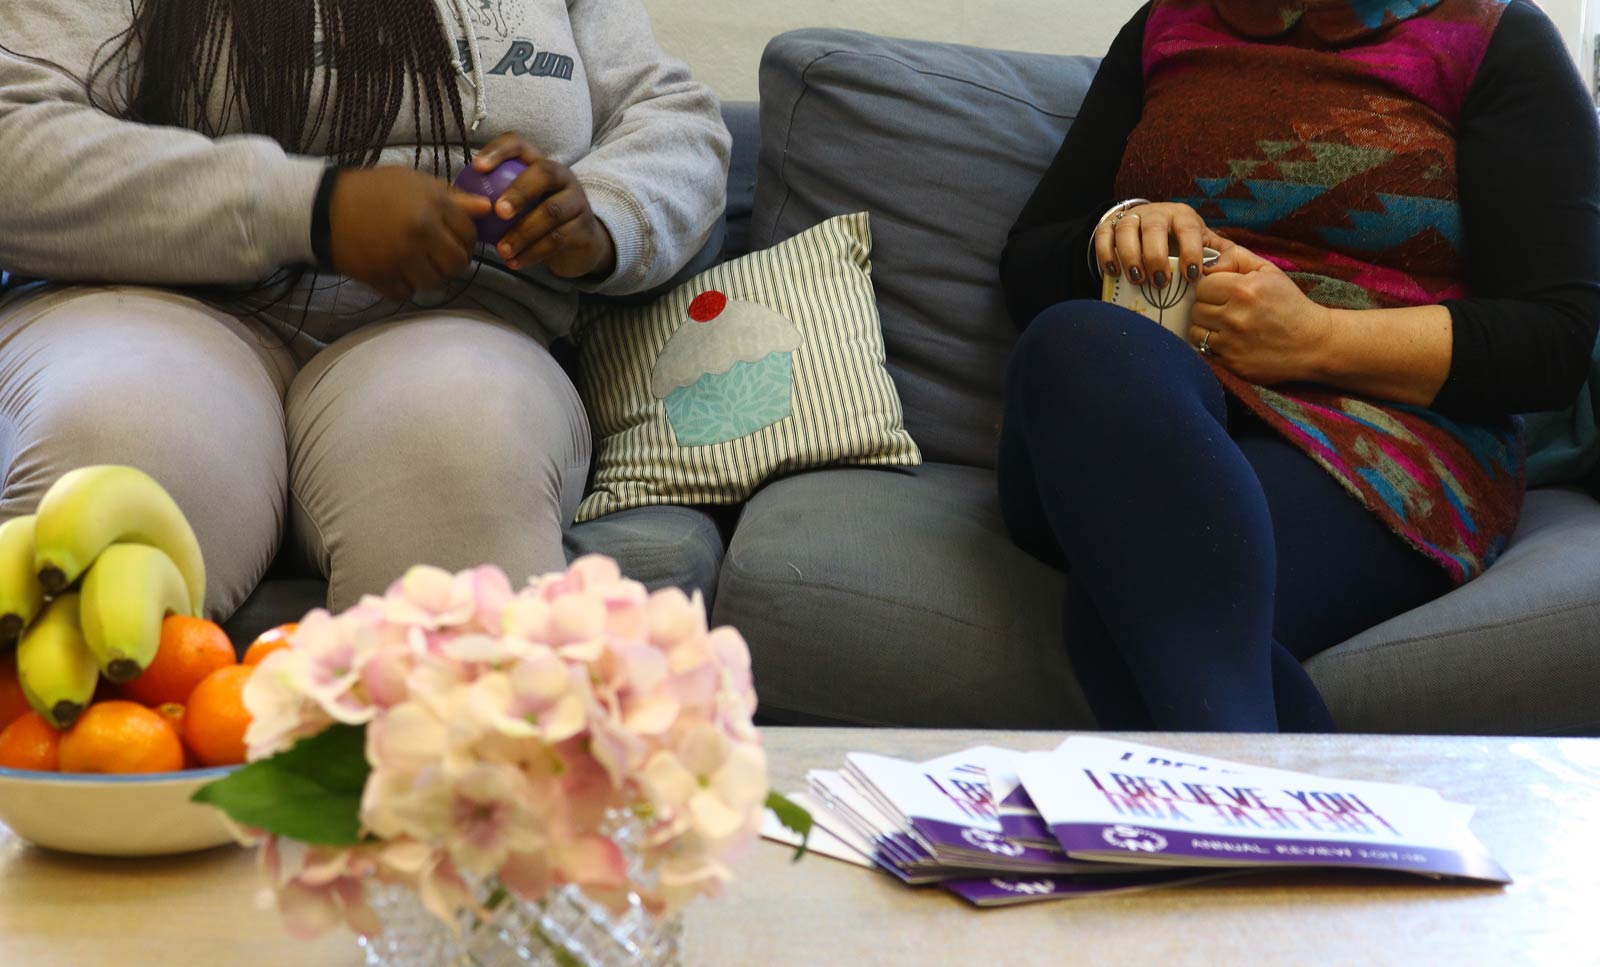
1193,271
1159,280
1113,270
1135,274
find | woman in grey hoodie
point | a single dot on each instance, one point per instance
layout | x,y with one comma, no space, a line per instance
255,281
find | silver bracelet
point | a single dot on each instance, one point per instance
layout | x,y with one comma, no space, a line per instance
1121,206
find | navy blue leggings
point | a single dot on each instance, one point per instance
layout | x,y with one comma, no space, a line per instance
1206,557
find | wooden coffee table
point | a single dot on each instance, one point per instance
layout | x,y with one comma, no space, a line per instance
1537,801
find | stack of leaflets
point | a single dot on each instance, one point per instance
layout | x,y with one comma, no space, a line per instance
1099,815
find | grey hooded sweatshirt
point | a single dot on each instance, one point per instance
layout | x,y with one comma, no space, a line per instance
85,196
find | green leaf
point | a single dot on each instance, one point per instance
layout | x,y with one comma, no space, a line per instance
793,818
310,793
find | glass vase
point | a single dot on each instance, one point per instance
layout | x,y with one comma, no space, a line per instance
565,929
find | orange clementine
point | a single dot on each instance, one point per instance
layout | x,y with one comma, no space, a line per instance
120,736
215,718
173,713
270,641
191,649
30,742
13,704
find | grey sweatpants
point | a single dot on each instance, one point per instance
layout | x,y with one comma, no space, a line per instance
443,437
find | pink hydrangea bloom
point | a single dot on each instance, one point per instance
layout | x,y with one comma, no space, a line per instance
319,888
506,729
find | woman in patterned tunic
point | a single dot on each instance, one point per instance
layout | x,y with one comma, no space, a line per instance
1404,194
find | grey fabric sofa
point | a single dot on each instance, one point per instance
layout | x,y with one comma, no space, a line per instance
886,597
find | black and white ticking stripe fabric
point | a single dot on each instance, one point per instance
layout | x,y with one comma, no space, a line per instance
759,367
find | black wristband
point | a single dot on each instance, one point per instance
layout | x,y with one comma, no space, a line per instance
322,218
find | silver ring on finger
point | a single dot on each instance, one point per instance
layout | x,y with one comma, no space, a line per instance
1205,342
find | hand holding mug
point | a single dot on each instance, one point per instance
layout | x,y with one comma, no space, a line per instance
1254,320
1139,241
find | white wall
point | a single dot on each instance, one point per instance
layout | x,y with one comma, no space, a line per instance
722,39
1572,17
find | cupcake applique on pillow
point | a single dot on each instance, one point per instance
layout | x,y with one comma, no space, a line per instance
763,366
727,372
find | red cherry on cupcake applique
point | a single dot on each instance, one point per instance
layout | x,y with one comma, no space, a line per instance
707,305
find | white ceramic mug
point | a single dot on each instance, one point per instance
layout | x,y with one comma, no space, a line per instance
1168,307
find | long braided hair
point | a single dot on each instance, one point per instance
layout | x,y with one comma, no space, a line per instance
308,73
324,77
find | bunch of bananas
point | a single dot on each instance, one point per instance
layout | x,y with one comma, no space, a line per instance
138,560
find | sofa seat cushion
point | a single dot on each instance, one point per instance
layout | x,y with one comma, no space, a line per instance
885,597
661,547
657,546
275,601
895,598
1515,652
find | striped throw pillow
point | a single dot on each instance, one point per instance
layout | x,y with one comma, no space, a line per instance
759,367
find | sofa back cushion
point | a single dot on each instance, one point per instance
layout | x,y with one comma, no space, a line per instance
744,123
943,144
1564,445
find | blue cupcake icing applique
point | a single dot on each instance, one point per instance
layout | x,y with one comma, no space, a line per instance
727,372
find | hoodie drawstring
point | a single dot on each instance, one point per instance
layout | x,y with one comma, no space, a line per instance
463,14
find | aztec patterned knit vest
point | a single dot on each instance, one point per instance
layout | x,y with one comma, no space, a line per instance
1321,135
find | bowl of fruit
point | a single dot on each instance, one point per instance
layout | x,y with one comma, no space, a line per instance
117,700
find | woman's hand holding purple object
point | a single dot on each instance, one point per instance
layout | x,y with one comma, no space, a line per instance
552,223
491,185
401,231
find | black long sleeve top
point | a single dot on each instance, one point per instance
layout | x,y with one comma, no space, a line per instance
1528,162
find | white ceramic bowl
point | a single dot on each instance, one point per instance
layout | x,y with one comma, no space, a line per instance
137,815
